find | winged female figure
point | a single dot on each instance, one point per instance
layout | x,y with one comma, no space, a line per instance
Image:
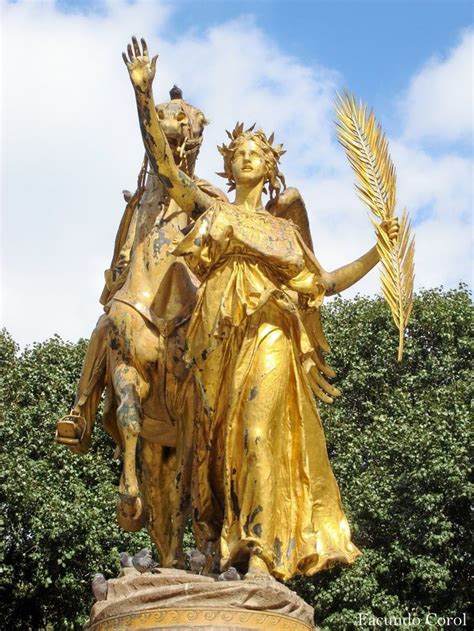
264,496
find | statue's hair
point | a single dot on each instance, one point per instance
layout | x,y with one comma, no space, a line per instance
273,175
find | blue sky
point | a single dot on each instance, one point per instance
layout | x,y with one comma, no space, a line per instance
376,44
71,141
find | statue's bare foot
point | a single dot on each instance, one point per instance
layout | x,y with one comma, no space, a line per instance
258,569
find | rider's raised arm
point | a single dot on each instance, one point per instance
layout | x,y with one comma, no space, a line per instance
180,186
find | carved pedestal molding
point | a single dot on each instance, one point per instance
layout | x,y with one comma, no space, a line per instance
182,601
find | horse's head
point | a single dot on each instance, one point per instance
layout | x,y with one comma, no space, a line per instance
183,125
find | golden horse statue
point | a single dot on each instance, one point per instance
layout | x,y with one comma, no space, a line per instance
136,350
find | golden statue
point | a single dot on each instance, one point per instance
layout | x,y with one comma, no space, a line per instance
263,493
136,349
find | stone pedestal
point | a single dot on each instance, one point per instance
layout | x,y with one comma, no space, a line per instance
183,601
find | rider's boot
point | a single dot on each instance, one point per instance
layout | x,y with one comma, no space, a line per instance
75,429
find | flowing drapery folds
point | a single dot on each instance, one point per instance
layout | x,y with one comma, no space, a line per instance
262,481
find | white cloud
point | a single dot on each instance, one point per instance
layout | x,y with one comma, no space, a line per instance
443,247
441,184
72,143
439,103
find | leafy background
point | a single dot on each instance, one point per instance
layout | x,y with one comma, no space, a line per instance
397,438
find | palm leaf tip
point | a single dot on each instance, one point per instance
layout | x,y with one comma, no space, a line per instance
367,149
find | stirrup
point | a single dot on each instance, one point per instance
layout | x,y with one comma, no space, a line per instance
70,430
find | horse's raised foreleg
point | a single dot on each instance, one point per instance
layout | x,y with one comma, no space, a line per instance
130,390
127,386
129,418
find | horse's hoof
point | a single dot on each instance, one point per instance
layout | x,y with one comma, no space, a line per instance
173,561
178,564
131,513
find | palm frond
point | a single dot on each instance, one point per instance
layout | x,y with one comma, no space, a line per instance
367,150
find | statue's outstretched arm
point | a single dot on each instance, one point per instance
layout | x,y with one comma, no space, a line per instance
180,186
290,205
345,276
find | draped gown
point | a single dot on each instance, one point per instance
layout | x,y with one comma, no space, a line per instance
262,481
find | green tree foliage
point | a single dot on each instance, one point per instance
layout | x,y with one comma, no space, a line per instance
58,509
397,439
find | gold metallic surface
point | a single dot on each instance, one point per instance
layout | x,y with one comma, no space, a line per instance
210,618
263,493
367,150
186,600
212,352
136,349
265,486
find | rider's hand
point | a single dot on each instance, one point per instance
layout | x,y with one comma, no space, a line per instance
139,66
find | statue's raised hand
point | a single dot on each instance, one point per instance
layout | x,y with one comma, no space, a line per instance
140,68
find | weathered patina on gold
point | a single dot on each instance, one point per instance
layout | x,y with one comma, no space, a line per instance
179,600
212,352
136,349
263,494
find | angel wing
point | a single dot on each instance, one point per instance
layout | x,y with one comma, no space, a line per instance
290,205
211,190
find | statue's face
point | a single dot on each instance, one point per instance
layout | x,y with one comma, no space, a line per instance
248,164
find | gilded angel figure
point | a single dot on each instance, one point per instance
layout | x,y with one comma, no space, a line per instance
263,492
